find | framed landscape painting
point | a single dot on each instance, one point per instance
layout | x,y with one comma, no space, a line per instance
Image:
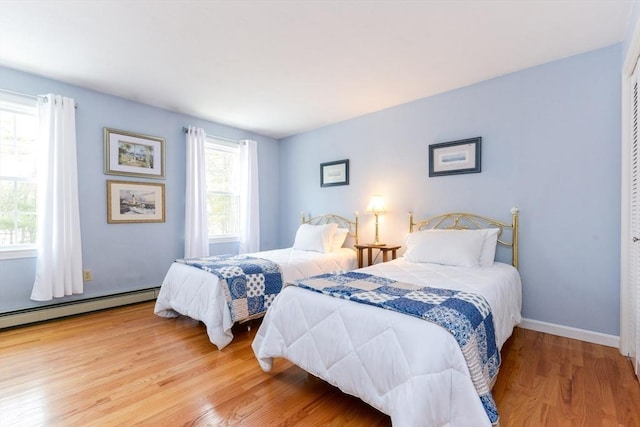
133,154
334,173
455,157
129,201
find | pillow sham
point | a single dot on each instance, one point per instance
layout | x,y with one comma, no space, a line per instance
339,238
488,253
460,248
316,238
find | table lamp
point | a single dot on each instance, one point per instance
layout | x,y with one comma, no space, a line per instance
377,207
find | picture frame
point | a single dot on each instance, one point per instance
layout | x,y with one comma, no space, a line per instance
455,157
135,202
133,154
334,173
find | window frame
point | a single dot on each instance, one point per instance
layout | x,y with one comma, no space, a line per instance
21,104
218,144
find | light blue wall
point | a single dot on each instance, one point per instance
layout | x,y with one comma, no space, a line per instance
126,257
551,146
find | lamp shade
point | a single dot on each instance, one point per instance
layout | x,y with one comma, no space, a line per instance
376,205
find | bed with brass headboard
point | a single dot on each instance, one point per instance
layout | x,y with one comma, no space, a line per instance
418,337
222,290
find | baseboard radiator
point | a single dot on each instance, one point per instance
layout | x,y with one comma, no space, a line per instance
40,314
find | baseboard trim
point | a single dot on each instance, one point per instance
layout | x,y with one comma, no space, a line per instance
25,317
569,332
39,314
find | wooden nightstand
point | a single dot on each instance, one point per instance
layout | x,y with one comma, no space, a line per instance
385,249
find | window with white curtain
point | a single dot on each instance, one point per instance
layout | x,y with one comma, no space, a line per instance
223,190
19,130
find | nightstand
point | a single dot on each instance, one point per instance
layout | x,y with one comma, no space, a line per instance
385,249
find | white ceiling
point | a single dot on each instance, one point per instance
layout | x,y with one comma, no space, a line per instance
279,68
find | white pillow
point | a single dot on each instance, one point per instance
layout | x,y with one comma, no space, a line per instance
459,248
316,238
488,253
338,238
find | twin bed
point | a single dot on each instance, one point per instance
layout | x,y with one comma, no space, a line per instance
421,373
197,293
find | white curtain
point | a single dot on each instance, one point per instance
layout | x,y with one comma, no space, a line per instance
249,204
196,234
59,262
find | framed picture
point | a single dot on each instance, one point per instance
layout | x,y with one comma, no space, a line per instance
133,154
334,173
455,157
129,201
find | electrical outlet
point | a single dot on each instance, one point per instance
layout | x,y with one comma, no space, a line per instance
87,275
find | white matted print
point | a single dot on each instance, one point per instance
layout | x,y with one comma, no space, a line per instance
133,154
129,201
334,173
449,158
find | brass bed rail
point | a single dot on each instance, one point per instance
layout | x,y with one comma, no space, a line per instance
466,221
342,222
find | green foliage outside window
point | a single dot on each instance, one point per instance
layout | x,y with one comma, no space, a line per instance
18,190
223,199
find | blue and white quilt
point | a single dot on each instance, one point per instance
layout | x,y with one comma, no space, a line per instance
249,284
467,316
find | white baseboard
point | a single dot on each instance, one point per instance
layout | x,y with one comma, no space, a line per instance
569,332
24,317
69,309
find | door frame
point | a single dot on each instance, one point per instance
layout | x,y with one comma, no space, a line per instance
628,295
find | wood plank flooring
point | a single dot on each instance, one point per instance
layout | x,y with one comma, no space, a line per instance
126,366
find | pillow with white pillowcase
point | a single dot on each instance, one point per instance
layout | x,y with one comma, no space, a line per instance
488,253
460,248
339,238
316,238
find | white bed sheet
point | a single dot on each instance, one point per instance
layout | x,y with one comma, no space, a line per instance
196,293
406,367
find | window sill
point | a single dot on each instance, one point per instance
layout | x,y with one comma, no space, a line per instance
18,253
225,239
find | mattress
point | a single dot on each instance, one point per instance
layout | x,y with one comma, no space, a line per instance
406,367
196,293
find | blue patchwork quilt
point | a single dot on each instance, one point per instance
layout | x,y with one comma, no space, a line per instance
249,284
467,316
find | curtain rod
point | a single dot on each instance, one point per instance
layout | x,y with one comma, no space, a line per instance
235,141
37,97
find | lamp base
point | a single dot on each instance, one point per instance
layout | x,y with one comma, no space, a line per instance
377,244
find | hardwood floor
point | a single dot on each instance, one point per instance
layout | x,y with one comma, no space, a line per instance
126,367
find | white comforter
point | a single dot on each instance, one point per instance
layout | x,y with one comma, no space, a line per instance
406,367
196,293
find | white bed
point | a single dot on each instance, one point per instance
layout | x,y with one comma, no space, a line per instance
406,367
198,294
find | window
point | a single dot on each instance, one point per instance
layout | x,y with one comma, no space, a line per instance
223,190
18,189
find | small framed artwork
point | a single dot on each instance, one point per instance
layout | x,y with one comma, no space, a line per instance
455,157
133,154
129,201
334,173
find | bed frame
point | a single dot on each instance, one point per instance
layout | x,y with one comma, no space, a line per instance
342,222
466,221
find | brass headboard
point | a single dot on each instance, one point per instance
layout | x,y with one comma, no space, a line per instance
342,222
462,221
